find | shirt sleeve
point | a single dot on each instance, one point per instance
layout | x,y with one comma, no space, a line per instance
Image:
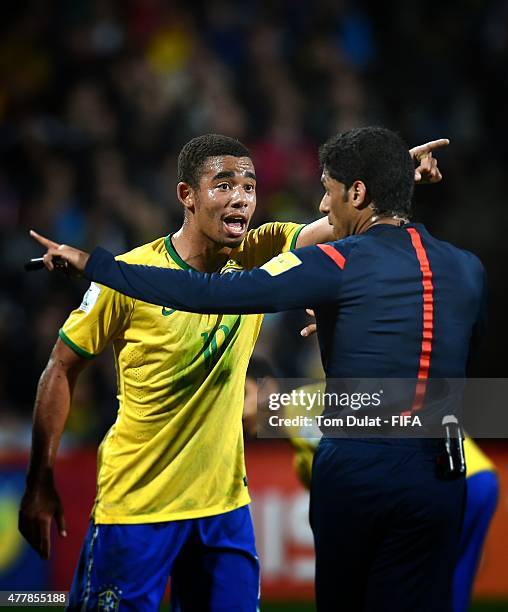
303,278
269,240
101,316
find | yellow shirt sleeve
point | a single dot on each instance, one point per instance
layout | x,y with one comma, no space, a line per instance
99,319
269,240
476,460
302,460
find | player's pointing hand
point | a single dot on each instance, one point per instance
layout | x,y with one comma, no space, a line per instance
427,170
61,257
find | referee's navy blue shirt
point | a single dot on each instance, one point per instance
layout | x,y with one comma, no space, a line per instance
392,302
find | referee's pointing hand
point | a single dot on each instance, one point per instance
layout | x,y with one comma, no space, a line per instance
426,170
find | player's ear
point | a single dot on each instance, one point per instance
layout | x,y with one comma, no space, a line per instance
185,193
358,195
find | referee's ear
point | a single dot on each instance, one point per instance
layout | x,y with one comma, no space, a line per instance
357,195
185,194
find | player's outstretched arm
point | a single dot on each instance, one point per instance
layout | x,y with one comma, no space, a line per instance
41,503
426,172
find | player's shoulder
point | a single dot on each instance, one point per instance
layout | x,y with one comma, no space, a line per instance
152,253
266,241
272,229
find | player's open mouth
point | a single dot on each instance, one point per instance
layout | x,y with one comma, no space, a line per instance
235,224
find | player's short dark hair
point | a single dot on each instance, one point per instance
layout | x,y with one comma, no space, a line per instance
380,159
194,154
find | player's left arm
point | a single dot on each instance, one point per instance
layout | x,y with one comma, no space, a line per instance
290,280
426,172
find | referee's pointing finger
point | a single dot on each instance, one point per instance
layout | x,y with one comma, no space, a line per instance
424,149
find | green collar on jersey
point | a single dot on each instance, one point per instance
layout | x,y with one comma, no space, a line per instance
174,255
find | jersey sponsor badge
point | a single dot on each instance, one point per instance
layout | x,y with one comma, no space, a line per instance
90,298
282,263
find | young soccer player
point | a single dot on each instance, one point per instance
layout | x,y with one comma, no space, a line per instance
172,495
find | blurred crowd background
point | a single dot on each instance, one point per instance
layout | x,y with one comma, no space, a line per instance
98,96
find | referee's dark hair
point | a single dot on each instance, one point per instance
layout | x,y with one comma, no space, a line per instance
194,154
380,159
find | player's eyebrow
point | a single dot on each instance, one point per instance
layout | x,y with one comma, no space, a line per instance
223,174
230,174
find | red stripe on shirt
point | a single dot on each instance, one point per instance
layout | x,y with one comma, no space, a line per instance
333,254
428,318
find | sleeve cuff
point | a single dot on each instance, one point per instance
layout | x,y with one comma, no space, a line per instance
77,349
98,257
292,246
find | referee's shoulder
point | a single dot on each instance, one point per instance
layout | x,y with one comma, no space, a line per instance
473,259
468,258
350,243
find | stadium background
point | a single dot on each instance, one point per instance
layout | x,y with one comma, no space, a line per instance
96,99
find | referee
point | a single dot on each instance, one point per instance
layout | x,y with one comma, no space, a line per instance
391,301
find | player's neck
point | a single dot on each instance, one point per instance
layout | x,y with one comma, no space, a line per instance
198,251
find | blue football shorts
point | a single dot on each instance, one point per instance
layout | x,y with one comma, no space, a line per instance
481,501
212,562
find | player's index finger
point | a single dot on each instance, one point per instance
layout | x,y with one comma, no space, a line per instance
46,242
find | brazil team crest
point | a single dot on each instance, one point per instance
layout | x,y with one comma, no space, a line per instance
231,266
109,600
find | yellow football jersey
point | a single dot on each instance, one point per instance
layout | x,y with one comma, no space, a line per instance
175,450
476,459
